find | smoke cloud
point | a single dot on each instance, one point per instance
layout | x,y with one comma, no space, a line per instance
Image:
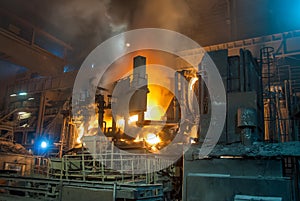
88,23
168,14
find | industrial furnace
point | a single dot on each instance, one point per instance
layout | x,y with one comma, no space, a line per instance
133,142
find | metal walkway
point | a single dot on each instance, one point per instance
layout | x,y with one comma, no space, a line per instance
30,188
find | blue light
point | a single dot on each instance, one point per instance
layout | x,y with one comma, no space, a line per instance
68,68
44,144
22,94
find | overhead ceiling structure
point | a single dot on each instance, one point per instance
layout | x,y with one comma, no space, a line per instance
84,25
26,45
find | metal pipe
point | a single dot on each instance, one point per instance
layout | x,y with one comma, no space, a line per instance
39,127
176,104
114,191
242,71
62,138
287,107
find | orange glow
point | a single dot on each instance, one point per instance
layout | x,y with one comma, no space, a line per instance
89,129
158,101
80,133
192,82
120,123
138,139
108,119
152,139
133,119
93,123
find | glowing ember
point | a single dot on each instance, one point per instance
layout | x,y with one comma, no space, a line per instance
158,101
120,123
192,82
133,119
152,139
138,139
108,118
80,133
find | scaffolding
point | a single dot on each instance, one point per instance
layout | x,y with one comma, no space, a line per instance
278,98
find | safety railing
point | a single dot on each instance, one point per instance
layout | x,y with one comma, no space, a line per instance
39,166
108,167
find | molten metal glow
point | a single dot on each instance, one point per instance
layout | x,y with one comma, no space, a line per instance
192,82
152,139
93,123
120,123
155,112
80,133
108,119
158,101
138,139
133,119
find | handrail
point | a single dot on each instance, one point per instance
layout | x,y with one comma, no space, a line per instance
122,167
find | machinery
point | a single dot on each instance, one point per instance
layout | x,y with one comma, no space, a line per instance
116,159
241,166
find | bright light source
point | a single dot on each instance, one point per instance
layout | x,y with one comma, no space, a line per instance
24,115
22,94
152,139
154,112
127,44
80,132
133,119
120,123
93,65
44,145
30,98
193,141
192,82
78,140
13,95
231,157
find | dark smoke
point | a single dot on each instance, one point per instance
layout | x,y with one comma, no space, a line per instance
168,14
88,23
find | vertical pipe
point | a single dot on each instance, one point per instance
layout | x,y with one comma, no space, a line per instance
114,191
62,137
201,89
114,125
112,153
278,118
100,104
287,107
242,71
39,128
176,98
247,68
229,20
83,163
